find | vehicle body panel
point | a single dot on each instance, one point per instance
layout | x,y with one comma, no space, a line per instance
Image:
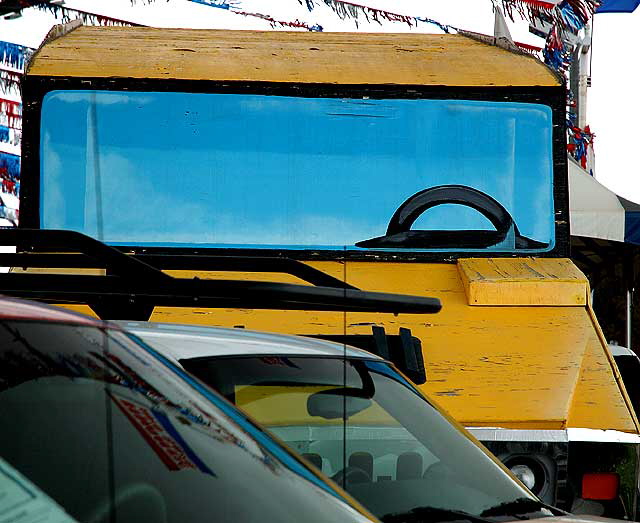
480,360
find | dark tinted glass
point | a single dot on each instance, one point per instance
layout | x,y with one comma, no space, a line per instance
629,367
365,426
111,434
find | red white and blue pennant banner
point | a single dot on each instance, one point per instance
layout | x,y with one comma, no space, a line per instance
14,56
10,128
13,59
558,22
352,10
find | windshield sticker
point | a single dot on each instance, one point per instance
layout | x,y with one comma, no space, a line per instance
157,430
278,360
22,502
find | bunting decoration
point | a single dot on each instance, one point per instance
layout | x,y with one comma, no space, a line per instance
354,11
528,48
9,173
67,14
13,59
297,24
579,142
9,6
571,14
556,54
9,81
10,113
566,18
222,4
10,135
9,165
13,55
351,10
445,28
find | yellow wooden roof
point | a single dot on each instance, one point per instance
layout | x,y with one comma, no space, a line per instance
275,56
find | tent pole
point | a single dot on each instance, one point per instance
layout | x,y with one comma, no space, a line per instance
629,301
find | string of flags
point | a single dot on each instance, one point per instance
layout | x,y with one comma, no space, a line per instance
222,4
13,59
13,55
297,24
67,14
559,23
345,9
578,140
9,81
354,11
9,167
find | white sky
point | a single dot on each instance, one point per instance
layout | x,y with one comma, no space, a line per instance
613,108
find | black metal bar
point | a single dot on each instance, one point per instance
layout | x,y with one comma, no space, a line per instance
93,253
50,240
182,292
244,263
51,261
133,287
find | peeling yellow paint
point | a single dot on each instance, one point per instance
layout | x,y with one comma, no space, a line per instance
539,365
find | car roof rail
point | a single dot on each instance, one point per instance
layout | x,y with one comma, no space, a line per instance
131,287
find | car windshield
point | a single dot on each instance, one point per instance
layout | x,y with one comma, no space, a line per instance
367,427
278,172
101,427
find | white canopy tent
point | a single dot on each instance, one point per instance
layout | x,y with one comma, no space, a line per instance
594,210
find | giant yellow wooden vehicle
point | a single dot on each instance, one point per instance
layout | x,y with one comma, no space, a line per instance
429,165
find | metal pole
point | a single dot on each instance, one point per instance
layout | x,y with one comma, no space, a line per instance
629,302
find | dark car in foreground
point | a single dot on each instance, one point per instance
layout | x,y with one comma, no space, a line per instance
95,427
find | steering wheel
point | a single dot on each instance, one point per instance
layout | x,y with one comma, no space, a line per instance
351,475
399,234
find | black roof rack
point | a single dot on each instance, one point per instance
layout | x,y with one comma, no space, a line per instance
135,284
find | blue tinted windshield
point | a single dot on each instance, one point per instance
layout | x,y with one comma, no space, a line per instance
238,170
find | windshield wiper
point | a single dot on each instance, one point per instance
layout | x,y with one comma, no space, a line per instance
431,515
518,507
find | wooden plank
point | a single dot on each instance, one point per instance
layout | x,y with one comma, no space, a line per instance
275,56
523,281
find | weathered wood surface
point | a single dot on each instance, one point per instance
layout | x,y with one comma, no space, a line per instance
275,56
523,281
